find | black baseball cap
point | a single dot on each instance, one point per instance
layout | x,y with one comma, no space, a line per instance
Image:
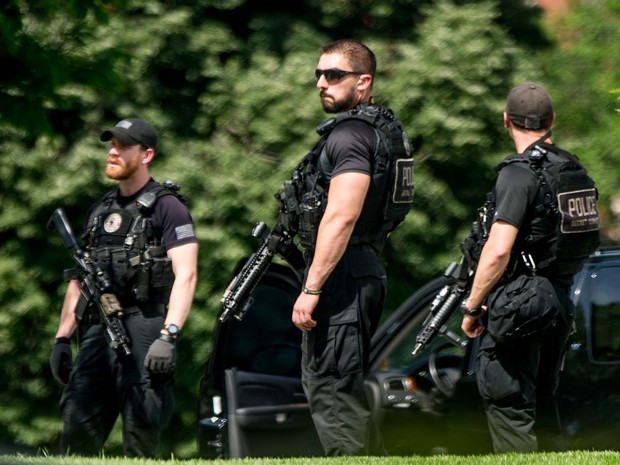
529,106
132,131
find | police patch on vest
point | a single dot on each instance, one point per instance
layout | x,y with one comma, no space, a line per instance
578,211
403,181
113,223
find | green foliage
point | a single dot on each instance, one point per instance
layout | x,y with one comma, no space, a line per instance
582,75
47,64
229,85
449,89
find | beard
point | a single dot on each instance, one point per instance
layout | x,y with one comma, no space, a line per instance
332,105
122,170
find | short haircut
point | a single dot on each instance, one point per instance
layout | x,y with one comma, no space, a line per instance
361,58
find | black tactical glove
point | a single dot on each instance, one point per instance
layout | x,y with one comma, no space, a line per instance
161,357
61,359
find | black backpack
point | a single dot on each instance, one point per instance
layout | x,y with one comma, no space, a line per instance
567,199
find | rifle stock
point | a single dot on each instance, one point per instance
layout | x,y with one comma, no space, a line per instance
95,285
237,298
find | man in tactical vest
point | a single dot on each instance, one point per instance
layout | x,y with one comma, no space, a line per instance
141,234
543,224
347,209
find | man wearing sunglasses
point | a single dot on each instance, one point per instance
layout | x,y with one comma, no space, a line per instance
343,228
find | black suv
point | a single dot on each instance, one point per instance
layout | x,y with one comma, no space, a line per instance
251,392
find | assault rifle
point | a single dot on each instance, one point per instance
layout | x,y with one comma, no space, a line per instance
443,306
237,298
95,286
450,296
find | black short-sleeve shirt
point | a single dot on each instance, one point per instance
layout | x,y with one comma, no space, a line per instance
350,147
171,220
515,190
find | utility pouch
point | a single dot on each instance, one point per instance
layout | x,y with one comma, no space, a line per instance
141,288
522,308
161,273
119,267
312,209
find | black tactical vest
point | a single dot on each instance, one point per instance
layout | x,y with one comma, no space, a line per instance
121,240
562,229
390,194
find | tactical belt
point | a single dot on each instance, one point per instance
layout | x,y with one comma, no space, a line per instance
151,309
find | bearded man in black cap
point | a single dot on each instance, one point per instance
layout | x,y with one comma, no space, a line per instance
142,235
519,303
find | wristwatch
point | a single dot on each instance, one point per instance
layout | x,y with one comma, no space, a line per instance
172,330
466,311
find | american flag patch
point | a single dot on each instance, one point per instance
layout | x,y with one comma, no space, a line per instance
184,231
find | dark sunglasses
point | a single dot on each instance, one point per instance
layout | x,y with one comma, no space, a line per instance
332,74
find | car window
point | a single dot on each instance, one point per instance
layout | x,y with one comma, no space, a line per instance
605,314
398,356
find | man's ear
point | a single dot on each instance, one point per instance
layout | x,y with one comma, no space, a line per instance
507,123
148,156
364,82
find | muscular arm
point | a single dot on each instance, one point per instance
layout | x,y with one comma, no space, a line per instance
345,200
68,323
493,261
184,264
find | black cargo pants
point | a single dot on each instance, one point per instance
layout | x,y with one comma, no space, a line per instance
335,355
518,385
104,384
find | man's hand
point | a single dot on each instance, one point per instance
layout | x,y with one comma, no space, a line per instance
61,359
161,357
302,311
472,326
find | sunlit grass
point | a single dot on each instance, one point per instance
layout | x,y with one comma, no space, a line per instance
566,458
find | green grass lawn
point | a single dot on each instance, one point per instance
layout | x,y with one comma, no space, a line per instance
565,458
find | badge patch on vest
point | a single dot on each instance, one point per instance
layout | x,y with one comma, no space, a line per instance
578,211
113,223
402,192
